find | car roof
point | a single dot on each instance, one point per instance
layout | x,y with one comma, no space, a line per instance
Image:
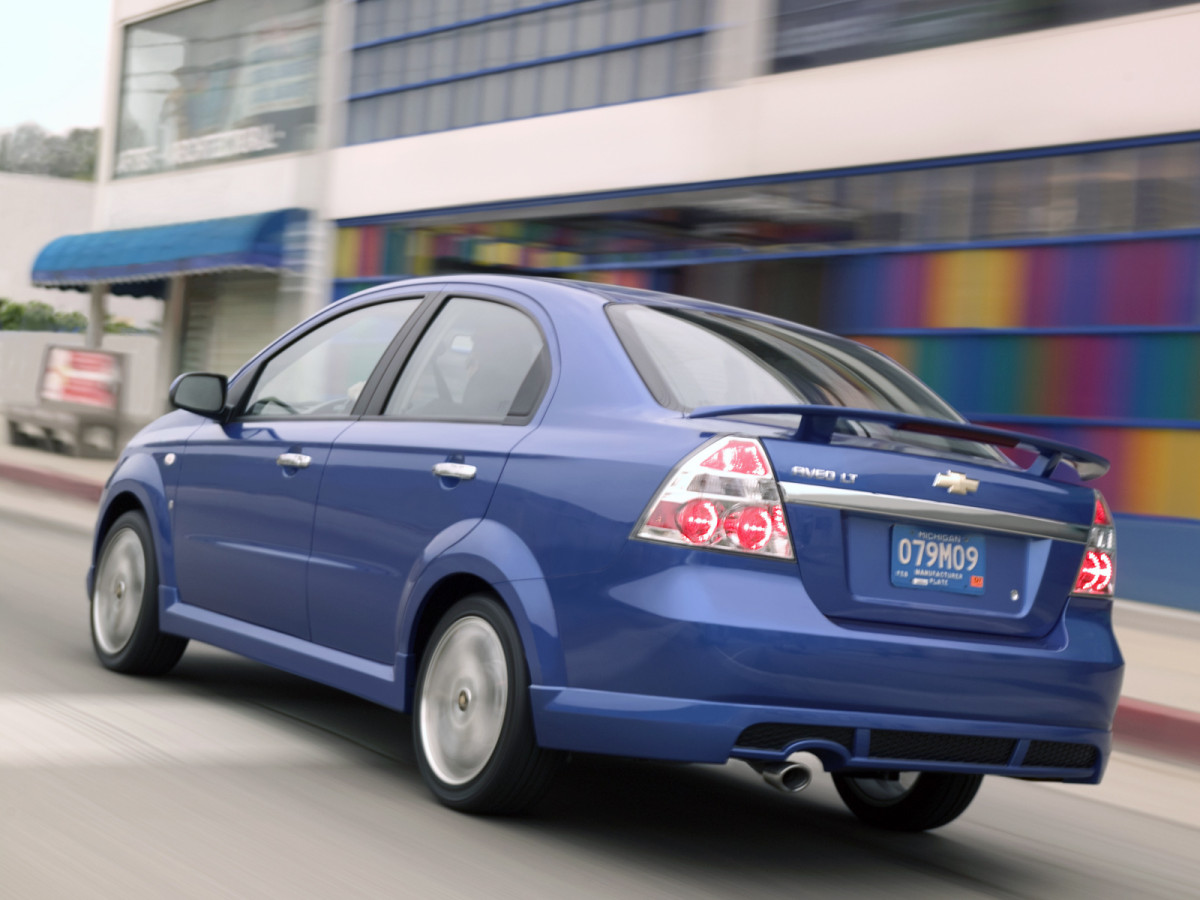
602,293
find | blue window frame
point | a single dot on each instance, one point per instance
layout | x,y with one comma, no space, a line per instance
421,66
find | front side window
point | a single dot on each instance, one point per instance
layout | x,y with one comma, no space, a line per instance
479,361
691,359
323,373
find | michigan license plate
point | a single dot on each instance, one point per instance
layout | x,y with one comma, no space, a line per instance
934,559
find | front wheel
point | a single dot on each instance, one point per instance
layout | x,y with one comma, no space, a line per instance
124,615
907,801
472,725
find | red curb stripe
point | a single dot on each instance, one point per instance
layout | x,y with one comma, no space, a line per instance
79,488
1163,729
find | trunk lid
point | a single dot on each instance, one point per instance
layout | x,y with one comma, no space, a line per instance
914,540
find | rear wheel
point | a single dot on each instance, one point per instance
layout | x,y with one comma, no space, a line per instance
907,801
124,615
472,725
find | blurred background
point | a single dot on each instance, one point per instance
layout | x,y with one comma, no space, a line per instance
1003,195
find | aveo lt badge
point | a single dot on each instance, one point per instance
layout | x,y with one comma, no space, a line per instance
956,482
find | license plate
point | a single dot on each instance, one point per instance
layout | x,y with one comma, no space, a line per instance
935,559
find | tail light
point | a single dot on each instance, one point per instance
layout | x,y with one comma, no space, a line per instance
723,497
1098,569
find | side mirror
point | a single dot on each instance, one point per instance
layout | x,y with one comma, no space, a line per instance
200,392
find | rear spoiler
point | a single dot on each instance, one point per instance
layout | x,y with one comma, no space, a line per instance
817,425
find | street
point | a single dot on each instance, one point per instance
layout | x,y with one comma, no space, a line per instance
229,779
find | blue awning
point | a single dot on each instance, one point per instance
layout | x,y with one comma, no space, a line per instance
137,261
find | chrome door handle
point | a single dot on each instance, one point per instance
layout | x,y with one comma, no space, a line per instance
293,460
461,471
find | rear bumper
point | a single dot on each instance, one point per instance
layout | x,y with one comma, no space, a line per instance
697,731
677,662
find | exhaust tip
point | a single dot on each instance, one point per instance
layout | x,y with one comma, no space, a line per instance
791,778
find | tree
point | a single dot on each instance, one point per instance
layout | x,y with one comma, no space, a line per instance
38,316
31,150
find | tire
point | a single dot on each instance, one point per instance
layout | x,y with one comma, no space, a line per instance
472,724
911,802
124,605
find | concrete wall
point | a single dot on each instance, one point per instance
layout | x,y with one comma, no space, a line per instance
34,210
21,361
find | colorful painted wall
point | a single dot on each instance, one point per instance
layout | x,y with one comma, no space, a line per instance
1095,343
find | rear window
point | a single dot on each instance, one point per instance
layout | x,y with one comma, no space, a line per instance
694,358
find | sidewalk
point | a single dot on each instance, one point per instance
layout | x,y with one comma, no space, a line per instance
1159,711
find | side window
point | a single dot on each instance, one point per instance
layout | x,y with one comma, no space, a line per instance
323,372
478,361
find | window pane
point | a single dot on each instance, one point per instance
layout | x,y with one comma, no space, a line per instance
368,20
558,31
654,71
437,107
524,93
495,97
555,79
387,122
466,103
585,82
478,361
686,71
622,21
368,70
689,14
442,49
420,15
396,19
323,372
414,61
658,17
618,76
499,43
445,12
412,113
589,25
472,9
528,37
359,127
470,49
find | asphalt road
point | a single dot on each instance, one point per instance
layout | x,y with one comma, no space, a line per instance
228,779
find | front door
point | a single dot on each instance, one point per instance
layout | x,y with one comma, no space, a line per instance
248,487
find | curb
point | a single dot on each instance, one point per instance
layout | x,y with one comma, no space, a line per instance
79,488
1161,729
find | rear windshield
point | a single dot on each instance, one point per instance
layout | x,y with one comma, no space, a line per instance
693,358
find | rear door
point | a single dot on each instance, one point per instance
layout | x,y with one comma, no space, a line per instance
418,472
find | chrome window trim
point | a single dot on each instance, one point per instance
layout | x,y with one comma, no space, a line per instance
894,507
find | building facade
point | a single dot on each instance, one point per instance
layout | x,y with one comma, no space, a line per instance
1004,196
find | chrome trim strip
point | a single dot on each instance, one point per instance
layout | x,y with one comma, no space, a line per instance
894,507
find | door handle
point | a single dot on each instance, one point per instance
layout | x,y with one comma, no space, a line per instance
461,471
293,460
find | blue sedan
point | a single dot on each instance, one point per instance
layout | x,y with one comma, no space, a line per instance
546,516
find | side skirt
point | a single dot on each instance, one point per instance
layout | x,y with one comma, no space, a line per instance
377,682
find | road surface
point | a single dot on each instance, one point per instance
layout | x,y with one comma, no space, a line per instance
229,779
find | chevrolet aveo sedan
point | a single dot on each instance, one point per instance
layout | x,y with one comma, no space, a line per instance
545,516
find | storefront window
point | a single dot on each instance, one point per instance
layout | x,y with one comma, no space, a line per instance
812,33
218,81
470,63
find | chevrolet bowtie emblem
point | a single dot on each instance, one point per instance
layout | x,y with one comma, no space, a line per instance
956,482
